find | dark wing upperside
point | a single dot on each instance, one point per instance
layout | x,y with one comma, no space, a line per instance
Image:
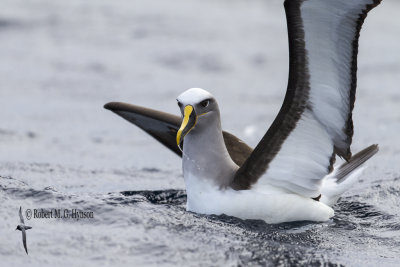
160,125
237,149
164,127
315,120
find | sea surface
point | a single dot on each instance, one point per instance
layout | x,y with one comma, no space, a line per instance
61,61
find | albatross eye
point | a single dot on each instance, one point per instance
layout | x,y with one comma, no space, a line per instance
180,104
205,103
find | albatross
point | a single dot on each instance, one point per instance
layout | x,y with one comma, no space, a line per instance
291,174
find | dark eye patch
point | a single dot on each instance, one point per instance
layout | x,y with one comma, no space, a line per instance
180,104
205,103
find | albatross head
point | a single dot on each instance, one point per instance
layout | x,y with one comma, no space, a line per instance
199,111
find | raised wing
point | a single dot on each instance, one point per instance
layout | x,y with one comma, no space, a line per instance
315,120
21,218
164,127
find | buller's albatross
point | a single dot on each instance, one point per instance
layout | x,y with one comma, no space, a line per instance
290,175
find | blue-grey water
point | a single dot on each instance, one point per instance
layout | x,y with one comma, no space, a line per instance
61,61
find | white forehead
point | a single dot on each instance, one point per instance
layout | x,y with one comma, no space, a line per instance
194,95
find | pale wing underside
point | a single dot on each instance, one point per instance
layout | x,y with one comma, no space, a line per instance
315,121
24,239
164,127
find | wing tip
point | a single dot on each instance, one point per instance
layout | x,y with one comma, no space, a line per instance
121,106
371,6
375,147
111,105
356,161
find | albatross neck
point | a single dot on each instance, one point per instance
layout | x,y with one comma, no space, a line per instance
205,154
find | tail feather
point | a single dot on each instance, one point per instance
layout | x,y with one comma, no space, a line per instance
355,161
338,182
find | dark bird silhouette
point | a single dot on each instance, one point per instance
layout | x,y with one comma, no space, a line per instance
22,227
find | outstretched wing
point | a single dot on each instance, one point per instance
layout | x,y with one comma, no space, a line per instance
164,127
315,120
160,125
24,239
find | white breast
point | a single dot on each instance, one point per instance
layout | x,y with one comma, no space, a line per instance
273,207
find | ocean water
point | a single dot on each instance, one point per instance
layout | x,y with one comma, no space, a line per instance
61,61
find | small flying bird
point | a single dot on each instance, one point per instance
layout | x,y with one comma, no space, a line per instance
290,175
22,227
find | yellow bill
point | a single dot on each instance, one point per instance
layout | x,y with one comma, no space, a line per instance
189,121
